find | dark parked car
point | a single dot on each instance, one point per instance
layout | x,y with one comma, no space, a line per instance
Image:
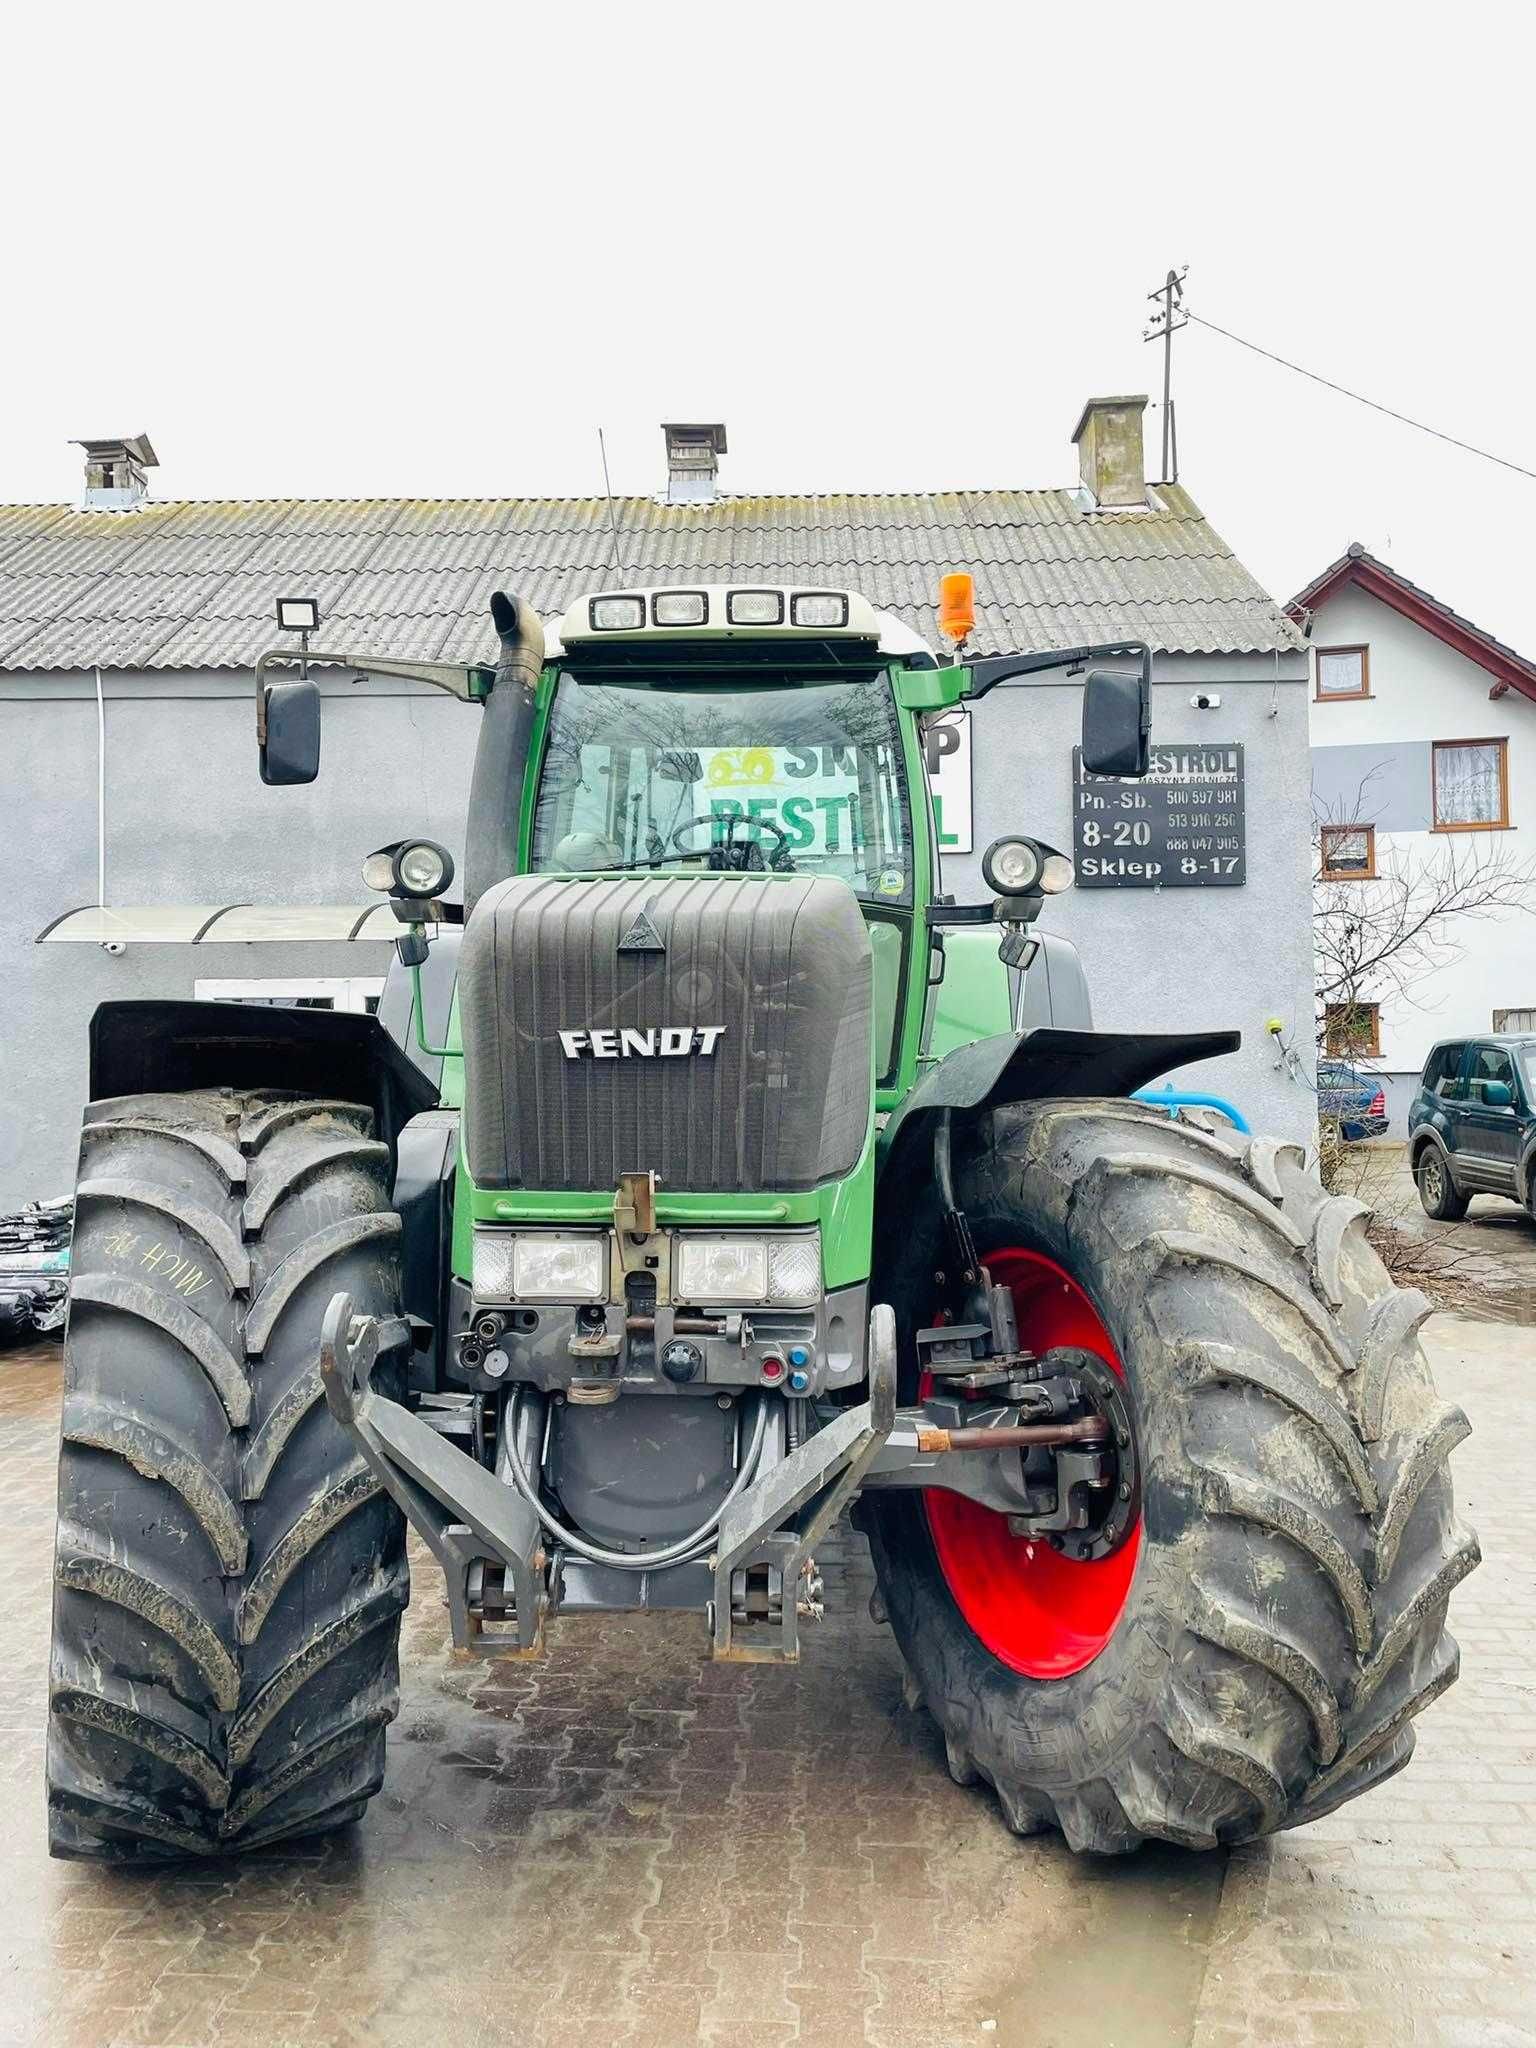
1472,1127
1356,1100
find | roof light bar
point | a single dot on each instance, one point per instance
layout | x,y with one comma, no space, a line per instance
755,607
617,614
819,608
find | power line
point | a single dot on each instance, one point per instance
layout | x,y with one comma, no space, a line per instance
1358,396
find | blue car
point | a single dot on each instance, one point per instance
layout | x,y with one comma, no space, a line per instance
1357,1100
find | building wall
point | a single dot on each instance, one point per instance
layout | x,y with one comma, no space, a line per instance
187,820
1372,759
1180,959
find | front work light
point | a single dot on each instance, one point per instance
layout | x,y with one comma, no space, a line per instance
1025,867
724,1271
617,614
1011,867
754,607
411,867
539,1265
679,608
818,608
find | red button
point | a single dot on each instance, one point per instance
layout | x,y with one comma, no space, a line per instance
773,1368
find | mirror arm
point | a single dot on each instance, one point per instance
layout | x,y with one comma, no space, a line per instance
991,669
466,682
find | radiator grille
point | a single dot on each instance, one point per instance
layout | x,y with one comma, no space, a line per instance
783,965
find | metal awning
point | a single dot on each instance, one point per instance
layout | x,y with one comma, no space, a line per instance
223,924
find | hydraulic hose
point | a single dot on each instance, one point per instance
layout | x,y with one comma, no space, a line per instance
679,1552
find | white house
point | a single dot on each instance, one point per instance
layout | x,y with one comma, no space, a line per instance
1423,731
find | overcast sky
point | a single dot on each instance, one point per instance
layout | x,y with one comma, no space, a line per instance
343,250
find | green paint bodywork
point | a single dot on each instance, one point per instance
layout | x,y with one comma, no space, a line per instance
975,999
973,1005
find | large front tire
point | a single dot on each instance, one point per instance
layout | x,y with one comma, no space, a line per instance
229,1574
1282,1618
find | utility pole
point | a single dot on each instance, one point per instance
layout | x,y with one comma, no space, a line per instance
1165,325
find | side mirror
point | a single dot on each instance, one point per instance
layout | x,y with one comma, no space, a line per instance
290,748
1117,723
1497,1095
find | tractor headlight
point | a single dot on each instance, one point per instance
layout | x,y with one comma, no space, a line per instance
423,869
540,1265
1011,867
723,1271
409,868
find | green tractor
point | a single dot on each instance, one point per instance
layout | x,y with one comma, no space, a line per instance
721,1197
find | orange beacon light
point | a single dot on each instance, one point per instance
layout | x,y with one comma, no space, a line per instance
957,605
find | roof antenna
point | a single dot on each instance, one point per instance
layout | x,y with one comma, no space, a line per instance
613,517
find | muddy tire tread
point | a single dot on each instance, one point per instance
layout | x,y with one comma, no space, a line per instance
1316,1463
229,1575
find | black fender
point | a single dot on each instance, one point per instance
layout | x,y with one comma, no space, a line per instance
144,1047
1030,1066
1426,1139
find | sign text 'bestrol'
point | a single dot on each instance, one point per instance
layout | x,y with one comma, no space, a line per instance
1179,828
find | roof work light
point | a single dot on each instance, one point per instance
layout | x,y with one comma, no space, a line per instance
298,614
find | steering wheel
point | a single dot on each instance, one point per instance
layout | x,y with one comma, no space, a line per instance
729,856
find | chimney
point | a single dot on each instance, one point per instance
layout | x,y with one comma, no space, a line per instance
1109,452
114,473
693,450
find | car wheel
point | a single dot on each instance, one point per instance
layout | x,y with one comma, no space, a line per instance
1437,1191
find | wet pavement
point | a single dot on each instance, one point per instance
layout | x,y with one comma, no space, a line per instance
624,1845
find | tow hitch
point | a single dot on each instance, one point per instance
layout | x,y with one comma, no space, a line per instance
487,1537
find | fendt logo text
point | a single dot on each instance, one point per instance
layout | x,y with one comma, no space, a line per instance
669,1042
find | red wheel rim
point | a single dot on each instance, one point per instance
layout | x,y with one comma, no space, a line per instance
1038,1612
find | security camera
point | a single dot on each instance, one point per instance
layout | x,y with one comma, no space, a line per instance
113,946
1205,700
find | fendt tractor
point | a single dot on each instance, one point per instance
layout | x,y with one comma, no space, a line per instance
728,1198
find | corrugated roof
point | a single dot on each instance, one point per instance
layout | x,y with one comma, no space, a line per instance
193,585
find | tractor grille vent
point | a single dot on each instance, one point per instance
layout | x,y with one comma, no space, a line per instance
782,965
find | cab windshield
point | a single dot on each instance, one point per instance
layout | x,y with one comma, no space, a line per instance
659,770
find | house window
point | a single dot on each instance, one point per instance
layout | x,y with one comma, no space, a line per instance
1514,1021
1343,672
1471,785
1349,852
1352,1030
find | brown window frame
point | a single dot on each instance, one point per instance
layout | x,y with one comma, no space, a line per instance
1322,696
1345,1050
1498,824
1365,874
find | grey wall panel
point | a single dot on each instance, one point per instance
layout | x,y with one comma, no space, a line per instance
1387,786
188,820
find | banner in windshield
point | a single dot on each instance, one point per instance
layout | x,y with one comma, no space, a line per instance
803,778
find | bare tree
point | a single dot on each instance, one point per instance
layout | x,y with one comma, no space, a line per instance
1380,929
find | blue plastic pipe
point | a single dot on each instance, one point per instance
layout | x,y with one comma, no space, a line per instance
1173,1099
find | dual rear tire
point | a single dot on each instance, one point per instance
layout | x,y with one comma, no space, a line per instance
229,1574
